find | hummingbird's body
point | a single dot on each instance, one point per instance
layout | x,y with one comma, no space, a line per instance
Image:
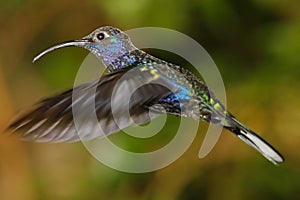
166,88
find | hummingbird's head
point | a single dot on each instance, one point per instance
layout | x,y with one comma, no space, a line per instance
107,43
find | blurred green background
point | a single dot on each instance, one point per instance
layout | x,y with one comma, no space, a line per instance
255,45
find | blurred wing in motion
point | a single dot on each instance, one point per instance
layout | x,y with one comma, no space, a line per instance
51,120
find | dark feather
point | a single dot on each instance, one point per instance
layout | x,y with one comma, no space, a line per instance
52,119
253,140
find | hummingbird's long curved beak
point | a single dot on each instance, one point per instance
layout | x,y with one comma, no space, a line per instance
79,43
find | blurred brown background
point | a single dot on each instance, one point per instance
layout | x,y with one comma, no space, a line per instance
256,46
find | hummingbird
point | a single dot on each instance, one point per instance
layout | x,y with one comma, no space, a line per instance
182,94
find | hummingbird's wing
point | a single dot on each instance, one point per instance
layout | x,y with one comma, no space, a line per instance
100,102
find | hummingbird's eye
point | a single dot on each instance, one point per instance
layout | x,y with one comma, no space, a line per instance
100,36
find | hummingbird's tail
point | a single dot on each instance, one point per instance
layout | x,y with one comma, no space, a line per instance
254,140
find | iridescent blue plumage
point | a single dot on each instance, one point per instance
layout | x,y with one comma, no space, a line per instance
167,88
110,49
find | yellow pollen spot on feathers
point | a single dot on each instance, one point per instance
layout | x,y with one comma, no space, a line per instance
154,73
217,106
143,68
